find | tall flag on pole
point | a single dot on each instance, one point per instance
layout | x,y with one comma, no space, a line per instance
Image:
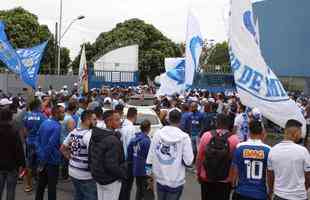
31,61
194,43
256,83
83,73
7,53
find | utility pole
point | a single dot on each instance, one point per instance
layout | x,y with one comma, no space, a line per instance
59,37
56,47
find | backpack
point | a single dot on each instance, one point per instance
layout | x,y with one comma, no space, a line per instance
217,157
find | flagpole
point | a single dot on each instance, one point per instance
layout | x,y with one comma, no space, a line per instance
59,39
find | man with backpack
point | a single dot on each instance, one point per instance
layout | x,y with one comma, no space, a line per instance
214,160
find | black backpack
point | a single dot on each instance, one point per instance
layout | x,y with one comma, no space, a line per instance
217,157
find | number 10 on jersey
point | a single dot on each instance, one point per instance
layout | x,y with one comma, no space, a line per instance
254,169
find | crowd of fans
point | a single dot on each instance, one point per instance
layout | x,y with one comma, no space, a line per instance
89,140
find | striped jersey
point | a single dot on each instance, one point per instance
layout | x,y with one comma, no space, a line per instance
78,164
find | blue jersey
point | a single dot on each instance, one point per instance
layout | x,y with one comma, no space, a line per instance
250,159
195,123
32,122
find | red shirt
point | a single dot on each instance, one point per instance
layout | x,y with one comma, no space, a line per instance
201,172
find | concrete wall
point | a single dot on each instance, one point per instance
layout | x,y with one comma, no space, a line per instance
12,83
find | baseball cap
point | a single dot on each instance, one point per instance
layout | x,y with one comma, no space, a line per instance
5,102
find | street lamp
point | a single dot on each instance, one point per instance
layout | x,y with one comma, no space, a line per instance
60,36
69,26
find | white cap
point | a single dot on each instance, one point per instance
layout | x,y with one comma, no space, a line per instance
256,114
5,102
61,104
65,87
75,84
107,100
212,100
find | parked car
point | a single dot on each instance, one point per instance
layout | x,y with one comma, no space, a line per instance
146,112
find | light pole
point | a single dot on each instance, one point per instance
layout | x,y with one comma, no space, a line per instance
61,35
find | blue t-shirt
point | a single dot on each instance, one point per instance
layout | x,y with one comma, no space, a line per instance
250,159
195,123
32,122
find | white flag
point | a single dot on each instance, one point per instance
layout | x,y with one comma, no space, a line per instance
194,43
83,73
172,81
256,83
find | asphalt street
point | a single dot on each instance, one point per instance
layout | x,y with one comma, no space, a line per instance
65,190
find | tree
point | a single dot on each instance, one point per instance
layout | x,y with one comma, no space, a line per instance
24,31
154,47
219,55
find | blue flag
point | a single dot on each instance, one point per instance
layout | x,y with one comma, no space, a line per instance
7,53
31,60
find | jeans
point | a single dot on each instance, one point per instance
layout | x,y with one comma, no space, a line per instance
237,196
109,192
127,185
31,157
195,143
165,195
84,189
141,183
48,177
8,178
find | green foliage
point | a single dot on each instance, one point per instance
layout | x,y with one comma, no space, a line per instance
24,31
153,46
219,55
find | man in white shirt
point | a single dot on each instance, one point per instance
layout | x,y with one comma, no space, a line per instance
75,149
170,151
289,166
241,124
128,132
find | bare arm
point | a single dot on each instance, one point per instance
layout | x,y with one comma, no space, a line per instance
233,176
270,182
65,150
307,180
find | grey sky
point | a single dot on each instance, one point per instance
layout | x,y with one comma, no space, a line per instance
169,16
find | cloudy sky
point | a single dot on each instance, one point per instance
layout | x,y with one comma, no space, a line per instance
169,16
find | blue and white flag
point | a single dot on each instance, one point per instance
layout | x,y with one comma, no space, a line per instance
173,80
31,60
256,83
7,53
171,63
194,44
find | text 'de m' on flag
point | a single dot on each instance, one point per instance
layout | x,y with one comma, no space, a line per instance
256,83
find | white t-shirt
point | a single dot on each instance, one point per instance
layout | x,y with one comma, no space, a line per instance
289,162
128,132
86,138
242,124
78,163
101,124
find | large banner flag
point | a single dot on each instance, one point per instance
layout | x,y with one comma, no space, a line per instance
256,83
31,61
171,63
8,54
173,80
194,43
83,73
